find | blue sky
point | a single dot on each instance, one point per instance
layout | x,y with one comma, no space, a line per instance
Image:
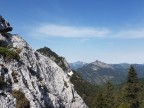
81,30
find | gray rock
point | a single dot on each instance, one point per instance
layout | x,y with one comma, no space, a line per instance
41,80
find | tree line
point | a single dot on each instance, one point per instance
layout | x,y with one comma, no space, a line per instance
127,95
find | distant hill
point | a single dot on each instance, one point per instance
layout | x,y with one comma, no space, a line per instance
99,72
77,65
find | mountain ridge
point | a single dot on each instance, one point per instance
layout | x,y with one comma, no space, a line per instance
59,60
98,72
77,65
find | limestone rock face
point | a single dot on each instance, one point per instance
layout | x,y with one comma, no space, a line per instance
59,60
41,80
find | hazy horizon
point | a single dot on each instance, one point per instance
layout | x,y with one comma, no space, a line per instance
106,62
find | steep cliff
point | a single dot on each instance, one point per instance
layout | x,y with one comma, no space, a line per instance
60,61
30,76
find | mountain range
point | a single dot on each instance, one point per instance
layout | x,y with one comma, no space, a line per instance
77,65
96,72
99,72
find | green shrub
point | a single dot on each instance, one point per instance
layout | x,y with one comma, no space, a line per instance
2,82
8,54
21,100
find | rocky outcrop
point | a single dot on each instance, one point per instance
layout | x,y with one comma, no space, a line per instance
39,78
60,61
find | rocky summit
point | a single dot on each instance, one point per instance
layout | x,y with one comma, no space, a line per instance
31,80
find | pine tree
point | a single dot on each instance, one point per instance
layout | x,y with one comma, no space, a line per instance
105,98
100,100
132,88
109,98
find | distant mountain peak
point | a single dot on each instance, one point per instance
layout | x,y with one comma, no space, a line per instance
80,62
101,64
99,72
77,65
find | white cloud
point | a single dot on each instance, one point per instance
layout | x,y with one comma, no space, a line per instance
130,34
49,30
54,30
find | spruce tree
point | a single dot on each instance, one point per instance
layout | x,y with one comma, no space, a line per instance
100,100
109,98
105,98
132,88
